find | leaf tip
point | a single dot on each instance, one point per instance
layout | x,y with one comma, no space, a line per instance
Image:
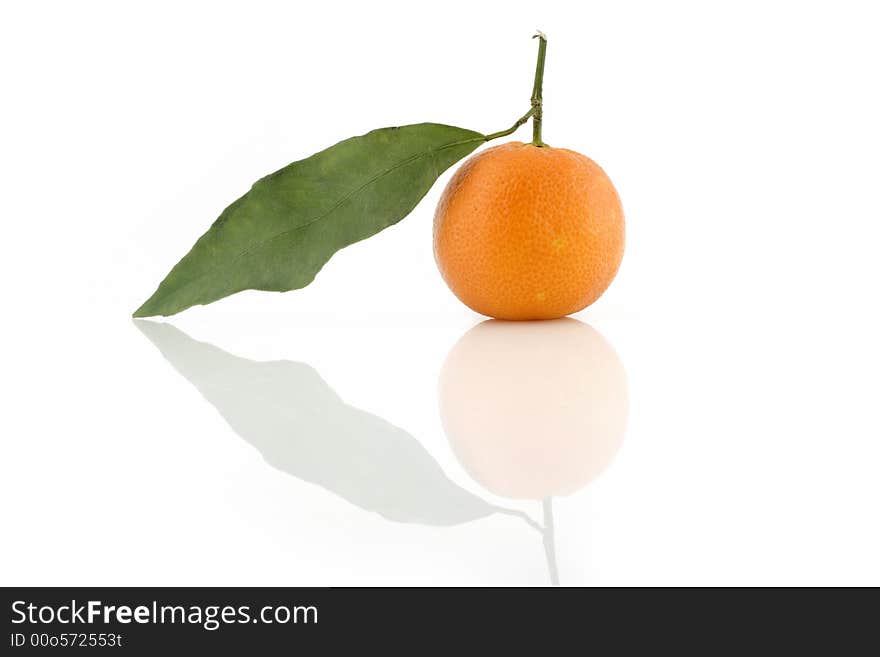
145,309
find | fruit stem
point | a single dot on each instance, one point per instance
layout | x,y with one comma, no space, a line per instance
536,112
512,129
538,90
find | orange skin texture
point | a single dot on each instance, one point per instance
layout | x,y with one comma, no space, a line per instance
523,232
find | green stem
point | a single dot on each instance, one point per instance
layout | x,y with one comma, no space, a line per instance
536,113
538,91
513,128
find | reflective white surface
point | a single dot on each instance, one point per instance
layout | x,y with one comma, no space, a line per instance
532,410
713,419
143,455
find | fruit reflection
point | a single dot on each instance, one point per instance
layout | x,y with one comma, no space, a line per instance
533,409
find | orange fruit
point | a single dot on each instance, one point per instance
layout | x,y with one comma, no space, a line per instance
533,409
527,232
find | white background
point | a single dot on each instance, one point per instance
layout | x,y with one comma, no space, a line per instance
743,139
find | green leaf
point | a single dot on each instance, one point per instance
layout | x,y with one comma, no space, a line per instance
302,427
279,235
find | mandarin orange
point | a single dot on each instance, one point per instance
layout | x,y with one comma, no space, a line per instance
527,232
